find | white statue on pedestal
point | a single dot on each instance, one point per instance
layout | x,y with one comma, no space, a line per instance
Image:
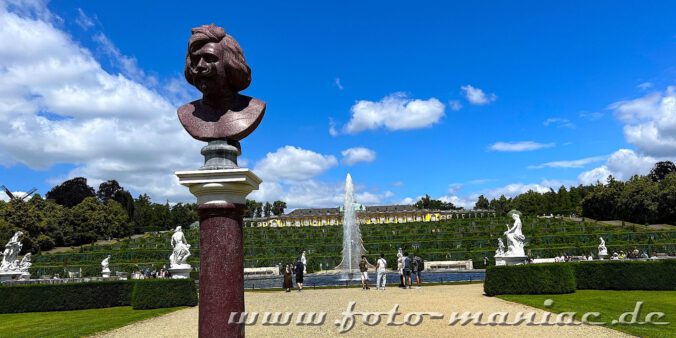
25,265
179,256
304,261
515,238
603,251
105,270
501,248
11,253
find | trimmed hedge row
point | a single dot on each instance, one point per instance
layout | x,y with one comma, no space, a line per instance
529,279
159,293
623,275
79,296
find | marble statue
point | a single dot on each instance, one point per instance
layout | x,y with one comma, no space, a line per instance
11,253
400,253
179,256
515,238
304,261
603,251
25,263
105,270
501,248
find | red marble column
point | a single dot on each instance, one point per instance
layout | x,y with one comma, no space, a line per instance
221,269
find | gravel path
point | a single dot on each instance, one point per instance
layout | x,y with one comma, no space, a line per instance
442,299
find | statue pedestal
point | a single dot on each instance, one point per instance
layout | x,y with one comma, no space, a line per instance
9,275
603,257
25,276
180,272
105,274
221,198
510,260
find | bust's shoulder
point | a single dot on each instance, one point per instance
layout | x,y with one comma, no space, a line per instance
253,102
188,108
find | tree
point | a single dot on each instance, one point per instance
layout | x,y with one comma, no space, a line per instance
426,203
71,192
250,208
661,170
107,190
267,209
259,210
87,220
278,207
482,203
183,215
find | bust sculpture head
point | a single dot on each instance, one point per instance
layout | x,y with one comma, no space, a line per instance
216,66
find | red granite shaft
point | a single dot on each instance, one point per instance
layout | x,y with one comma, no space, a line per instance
221,269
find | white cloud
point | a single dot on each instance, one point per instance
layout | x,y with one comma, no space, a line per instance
514,189
519,146
645,85
591,116
476,96
128,65
558,122
455,105
338,84
394,112
5,197
622,164
398,184
58,105
332,128
355,155
83,20
570,164
650,122
291,163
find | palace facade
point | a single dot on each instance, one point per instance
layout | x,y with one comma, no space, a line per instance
385,214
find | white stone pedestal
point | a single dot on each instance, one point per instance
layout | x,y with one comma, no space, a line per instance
25,276
9,275
105,274
180,272
603,257
220,186
511,260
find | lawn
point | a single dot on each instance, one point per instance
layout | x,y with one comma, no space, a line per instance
611,305
76,323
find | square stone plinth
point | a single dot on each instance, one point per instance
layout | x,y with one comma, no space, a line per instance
220,186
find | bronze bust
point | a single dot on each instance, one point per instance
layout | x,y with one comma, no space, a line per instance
215,65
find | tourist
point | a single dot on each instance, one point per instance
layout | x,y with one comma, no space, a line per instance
407,270
381,273
299,274
288,282
418,267
364,268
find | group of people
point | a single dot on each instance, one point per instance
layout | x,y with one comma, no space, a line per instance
297,269
406,266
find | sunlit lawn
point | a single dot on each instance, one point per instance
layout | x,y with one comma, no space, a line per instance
77,323
611,305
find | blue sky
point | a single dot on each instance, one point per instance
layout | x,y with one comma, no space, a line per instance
450,99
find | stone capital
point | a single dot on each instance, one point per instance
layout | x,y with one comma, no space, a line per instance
230,186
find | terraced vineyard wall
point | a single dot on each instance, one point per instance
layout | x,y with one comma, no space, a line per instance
448,240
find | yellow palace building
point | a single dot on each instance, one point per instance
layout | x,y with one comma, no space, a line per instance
386,214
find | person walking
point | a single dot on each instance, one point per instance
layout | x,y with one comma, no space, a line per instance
381,273
364,268
418,267
407,270
288,280
299,274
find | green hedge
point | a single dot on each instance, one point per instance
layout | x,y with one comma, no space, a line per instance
159,293
142,294
623,275
529,279
59,297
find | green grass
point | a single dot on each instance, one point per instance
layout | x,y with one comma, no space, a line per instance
611,305
77,323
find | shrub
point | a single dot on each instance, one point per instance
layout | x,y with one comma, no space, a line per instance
59,297
158,293
529,279
624,275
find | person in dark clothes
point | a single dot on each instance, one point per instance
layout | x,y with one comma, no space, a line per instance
299,274
288,280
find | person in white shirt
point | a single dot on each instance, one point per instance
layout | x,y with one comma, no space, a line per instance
381,275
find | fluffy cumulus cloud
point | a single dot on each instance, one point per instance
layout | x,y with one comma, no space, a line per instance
623,164
58,105
355,155
650,122
519,146
514,189
476,96
394,112
291,163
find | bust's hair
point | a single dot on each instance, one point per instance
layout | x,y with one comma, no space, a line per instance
237,71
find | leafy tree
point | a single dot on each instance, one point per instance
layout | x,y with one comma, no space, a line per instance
427,203
87,220
183,215
482,203
250,208
267,209
661,170
278,207
259,210
107,190
71,192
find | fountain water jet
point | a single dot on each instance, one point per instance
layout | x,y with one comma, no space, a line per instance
353,247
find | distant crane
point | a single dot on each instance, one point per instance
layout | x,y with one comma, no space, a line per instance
18,198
